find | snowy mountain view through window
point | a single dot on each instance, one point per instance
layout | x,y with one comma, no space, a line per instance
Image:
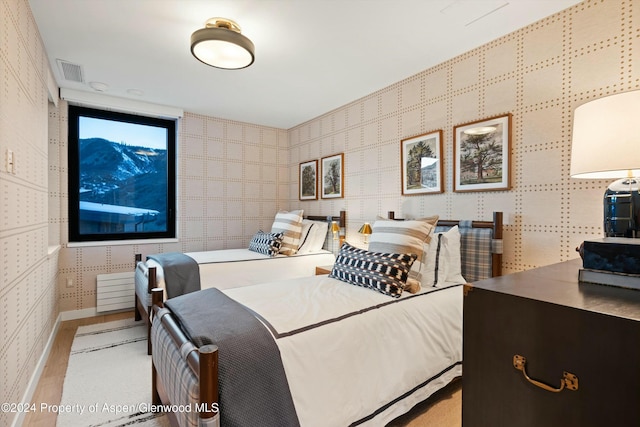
121,176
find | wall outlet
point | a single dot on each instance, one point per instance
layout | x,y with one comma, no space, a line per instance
69,282
11,162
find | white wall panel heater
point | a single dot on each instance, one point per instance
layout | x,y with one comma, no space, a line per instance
115,291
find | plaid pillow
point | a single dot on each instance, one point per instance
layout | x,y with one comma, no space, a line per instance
266,243
386,273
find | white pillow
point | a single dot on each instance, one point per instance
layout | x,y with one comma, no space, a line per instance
306,229
443,262
290,224
313,240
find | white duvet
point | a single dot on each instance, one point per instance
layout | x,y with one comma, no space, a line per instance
371,366
229,268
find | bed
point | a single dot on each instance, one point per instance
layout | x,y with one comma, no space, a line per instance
318,351
229,268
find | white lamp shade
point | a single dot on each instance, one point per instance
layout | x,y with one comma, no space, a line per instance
606,137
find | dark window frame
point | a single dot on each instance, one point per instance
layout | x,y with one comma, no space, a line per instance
74,114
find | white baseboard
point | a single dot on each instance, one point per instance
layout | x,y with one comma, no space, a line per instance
35,378
79,314
89,312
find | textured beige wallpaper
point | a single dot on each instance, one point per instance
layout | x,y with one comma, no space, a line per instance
28,298
234,176
539,74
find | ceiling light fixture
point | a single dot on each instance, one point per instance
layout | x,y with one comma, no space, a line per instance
220,44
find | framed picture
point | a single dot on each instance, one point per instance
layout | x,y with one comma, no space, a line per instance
421,164
309,180
482,155
332,176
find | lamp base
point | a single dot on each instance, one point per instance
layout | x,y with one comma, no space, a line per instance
622,209
609,278
614,254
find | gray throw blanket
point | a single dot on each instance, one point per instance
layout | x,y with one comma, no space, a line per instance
181,273
252,383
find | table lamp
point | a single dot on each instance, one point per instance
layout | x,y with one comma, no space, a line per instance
335,229
606,144
366,231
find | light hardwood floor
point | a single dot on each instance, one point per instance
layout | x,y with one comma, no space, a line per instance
443,409
49,388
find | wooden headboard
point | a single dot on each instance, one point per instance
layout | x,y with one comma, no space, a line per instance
495,244
341,219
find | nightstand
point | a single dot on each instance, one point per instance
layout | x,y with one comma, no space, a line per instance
559,327
323,269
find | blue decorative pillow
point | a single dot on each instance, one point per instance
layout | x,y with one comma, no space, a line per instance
386,273
266,243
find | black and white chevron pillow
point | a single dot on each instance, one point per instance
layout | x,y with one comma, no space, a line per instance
266,243
383,272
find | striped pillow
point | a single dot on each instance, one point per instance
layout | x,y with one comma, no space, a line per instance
408,237
290,225
383,272
266,243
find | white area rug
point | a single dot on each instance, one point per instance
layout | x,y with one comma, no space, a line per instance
108,381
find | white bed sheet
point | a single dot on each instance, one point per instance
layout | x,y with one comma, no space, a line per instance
373,365
231,268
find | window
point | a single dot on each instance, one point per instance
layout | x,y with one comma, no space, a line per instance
121,176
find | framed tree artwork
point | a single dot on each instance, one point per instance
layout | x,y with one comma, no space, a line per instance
308,183
332,176
482,155
421,164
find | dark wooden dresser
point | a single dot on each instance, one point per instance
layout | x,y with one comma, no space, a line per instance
591,332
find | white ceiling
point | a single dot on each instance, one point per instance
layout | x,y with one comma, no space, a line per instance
312,56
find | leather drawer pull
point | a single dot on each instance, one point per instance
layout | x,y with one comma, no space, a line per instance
568,381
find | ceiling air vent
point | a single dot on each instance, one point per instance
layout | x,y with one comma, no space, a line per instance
71,72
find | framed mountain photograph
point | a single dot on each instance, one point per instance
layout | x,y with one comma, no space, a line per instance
421,164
